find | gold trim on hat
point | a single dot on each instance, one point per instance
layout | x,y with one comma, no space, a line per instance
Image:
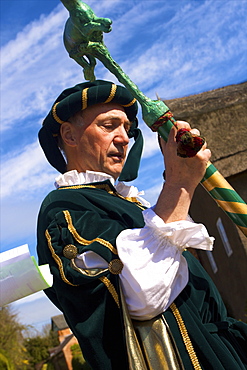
130,104
54,114
112,93
84,98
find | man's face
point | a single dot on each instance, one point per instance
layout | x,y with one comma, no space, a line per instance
102,139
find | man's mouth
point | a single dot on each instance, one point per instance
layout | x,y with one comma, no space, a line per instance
117,156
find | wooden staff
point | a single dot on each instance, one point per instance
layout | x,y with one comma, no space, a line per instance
83,39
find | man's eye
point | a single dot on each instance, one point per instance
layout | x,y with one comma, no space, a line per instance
109,126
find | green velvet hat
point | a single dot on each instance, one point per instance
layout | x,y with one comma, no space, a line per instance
79,97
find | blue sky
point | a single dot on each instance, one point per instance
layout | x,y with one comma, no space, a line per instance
172,48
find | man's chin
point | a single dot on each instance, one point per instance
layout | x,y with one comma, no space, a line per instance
115,172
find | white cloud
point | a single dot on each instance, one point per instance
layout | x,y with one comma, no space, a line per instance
26,178
24,171
36,38
189,48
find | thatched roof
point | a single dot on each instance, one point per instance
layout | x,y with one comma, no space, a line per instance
221,117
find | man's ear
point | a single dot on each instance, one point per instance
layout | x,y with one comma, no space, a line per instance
67,133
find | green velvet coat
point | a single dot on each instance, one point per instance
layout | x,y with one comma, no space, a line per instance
89,217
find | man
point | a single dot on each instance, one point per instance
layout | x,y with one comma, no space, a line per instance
103,242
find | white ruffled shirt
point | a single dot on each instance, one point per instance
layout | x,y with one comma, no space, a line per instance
154,272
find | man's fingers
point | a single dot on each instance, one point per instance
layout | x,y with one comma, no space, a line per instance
195,131
183,124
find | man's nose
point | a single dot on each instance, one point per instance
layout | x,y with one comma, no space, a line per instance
121,136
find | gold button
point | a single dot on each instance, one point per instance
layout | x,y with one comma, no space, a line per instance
115,266
70,251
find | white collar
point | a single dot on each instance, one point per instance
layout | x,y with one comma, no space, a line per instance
79,178
74,177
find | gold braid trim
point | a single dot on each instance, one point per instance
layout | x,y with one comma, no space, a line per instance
131,199
57,259
185,336
84,98
98,186
129,105
111,289
54,114
112,93
83,241
108,189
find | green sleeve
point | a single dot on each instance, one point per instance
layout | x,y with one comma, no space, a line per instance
84,231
